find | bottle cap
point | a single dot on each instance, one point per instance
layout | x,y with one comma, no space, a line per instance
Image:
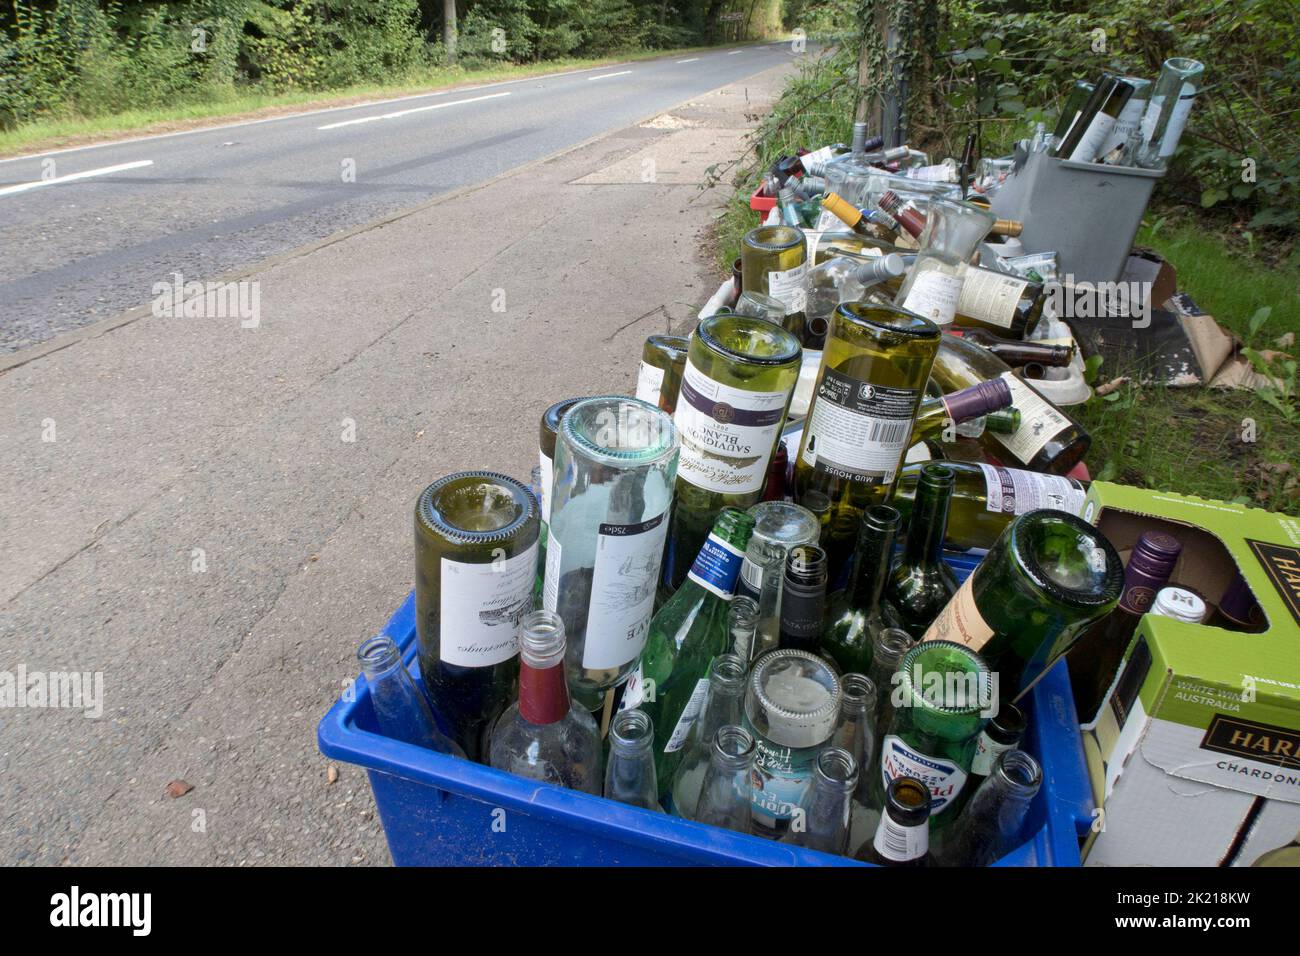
1179,603
841,208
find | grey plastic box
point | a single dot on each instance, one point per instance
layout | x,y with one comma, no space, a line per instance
1088,213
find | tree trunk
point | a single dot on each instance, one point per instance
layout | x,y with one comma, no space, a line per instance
449,29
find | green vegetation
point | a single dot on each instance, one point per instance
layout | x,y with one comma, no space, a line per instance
75,66
998,67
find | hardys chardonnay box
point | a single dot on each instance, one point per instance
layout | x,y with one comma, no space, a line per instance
1195,754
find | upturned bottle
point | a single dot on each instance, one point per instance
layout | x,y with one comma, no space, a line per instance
541,735
686,634
922,583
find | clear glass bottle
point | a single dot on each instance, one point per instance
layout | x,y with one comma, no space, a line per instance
858,613
727,791
686,634
922,582
825,822
1047,578
742,623
615,466
723,706
778,527
792,703
990,824
541,736
849,175
630,770
735,393
889,646
1166,115
845,278
952,232
475,570
400,709
870,384
856,733
756,305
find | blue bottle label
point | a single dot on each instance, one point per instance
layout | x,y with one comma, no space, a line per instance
944,777
717,566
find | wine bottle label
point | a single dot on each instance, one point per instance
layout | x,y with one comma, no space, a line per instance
857,430
1014,492
788,287
633,690
1177,121
717,566
782,778
481,606
688,717
1130,118
934,294
728,434
623,591
900,843
944,777
551,574
987,751
939,173
823,154
1089,145
1040,422
991,297
960,620
547,469
649,380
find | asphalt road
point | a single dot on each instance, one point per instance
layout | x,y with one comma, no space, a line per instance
201,203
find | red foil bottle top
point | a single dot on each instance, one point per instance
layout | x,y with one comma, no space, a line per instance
543,693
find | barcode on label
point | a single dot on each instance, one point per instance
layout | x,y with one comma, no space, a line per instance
895,840
887,432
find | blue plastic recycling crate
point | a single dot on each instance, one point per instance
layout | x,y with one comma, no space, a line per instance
440,811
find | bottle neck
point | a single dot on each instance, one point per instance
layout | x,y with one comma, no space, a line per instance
929,521
543,693
874,549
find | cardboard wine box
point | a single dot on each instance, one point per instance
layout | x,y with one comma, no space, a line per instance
1195,755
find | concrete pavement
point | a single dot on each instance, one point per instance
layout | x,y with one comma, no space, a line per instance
214,516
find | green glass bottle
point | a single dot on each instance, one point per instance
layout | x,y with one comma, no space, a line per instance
1044,581
774,260
659,379
986,498
858,612
942,696
736,388
870,384
475,561
922,583
691,629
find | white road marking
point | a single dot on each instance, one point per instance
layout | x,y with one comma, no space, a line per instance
605,76
72,177
415,109
734,52
694,59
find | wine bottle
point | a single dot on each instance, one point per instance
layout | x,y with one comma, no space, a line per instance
1048,439
953,230
1238,609
1181,604
774,260
845,278
803,599
1016,353
1074,103
475,563
922,583
615,464
547,431
1083,143
857,614
903,837
663,358
1047,578
736,389
1130,120
774,489
1095,658
685,635
850,175
874,367
541,735
986,498
778,527
1007,304
844,242
867,223
1166,115
942,411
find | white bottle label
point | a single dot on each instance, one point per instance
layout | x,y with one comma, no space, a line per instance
1040,422
649,380
856,430
939,173
728,434
633,690
960,620
828,220
987,751
688,717
1177,121
551,575
896,842
991,297
482,606
934,294
1015,492
623,591
944,777
1093,137
822,154
1130,118
788,287
547,468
